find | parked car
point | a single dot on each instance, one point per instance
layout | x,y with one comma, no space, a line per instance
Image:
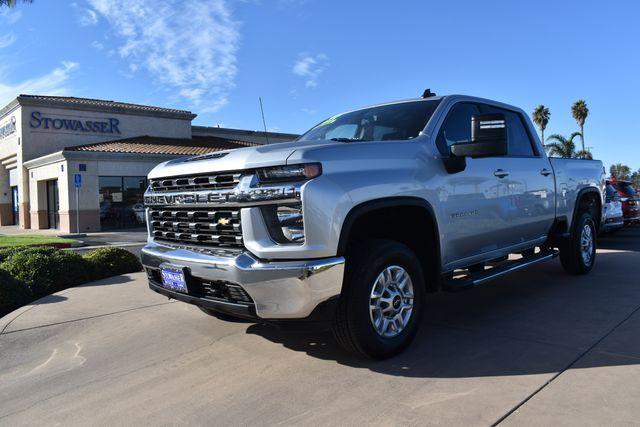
363,215
630,201
612,216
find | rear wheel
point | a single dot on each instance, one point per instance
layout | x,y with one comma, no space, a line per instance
579,253
382,302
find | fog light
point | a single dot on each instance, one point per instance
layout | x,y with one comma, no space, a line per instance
285,223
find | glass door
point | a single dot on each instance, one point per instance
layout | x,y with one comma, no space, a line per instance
53,204
15,205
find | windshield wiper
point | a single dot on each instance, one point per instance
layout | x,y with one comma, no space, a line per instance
347,139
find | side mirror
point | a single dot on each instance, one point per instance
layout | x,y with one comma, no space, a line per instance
488,137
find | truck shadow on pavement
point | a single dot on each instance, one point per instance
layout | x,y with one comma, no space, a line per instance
537,321
626,239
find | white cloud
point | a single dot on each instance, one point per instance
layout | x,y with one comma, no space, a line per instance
188,46
7,40
310,67
52,83
9,15
97,45
88,18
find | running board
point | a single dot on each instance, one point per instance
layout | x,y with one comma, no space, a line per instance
476,279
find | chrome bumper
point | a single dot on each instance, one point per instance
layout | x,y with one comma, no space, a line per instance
280,289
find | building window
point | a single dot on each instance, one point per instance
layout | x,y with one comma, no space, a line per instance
82,167
121,201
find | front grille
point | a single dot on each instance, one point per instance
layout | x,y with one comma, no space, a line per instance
196,182
203,227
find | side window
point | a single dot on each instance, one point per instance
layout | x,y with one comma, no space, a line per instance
456,127
519,141
520,144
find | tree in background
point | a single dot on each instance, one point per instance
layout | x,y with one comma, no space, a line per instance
620,171
584,154
562,146
12,3
635,180
541,117
580,112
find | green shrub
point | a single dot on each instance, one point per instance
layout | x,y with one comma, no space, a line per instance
107,262
13,294
47,270
7,252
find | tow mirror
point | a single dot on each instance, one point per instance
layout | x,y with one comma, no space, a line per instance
488,137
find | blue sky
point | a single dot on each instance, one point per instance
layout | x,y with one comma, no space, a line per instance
309,59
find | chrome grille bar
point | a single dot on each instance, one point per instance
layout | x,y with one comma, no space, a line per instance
206,227
198,182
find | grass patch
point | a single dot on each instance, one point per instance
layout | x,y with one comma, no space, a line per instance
33,240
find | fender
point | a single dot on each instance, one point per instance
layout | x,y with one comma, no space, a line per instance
579,196
389,202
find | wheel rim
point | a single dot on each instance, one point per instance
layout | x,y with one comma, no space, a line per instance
391,301
586,244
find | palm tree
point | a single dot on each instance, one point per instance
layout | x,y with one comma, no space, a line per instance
562,147
620,171
12,3
584,154
541,117
580,112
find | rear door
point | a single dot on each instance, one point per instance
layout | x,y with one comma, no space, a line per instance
529,181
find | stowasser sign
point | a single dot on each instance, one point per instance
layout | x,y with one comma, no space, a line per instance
8,128
108,125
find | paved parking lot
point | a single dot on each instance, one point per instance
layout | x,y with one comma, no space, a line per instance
537,348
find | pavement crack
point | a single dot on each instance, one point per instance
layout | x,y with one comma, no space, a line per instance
81,318
566,368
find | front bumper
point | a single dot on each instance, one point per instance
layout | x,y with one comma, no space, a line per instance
279,289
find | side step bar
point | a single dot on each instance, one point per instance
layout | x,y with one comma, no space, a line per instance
476,279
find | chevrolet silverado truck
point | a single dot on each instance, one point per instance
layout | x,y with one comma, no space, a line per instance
358,220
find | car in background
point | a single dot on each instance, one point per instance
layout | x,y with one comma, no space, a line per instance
630,201
612,215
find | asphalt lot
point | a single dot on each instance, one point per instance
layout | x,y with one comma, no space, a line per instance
536,348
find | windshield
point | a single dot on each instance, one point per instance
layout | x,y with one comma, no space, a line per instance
392,122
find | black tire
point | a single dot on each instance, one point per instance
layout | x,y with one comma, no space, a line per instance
571,253
353,327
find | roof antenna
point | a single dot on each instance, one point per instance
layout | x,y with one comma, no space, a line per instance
428,94
266,136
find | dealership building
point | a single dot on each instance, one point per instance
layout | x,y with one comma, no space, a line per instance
70,162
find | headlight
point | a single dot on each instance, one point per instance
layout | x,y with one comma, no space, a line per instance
285,223
289,173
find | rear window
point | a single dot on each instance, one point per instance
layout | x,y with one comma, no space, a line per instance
611,191
626,188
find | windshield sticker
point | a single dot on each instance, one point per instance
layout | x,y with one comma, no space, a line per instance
330,120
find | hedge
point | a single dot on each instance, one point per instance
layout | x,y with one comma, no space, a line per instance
28,273
107,262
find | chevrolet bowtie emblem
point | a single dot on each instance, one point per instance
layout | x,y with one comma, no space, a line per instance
224,221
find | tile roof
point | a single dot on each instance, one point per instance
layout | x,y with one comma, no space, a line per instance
170,146
89,102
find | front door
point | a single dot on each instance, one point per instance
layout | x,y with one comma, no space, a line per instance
474,203
53,204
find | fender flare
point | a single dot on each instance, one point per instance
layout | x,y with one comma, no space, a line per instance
579,196
388,202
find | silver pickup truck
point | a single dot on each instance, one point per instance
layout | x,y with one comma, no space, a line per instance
363,216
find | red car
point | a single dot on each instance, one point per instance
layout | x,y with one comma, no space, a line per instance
630,201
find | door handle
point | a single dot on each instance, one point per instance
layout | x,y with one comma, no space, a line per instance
501,173
545,172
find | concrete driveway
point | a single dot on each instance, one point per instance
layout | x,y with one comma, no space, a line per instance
536,348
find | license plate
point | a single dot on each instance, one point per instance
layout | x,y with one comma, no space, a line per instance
173,278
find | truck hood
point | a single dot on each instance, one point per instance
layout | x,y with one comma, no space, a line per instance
232,160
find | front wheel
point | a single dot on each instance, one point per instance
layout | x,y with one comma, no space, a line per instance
382,302
579,253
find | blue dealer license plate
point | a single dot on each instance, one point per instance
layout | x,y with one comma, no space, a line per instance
173,278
